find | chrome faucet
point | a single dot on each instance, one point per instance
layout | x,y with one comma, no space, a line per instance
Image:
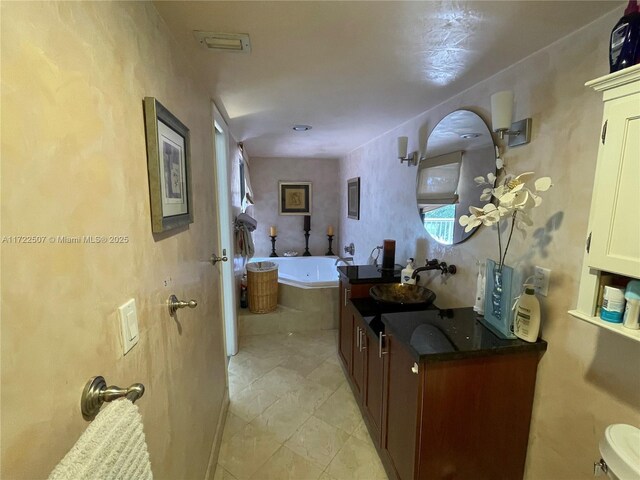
434,265
344,259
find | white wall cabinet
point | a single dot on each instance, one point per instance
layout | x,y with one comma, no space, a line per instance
613,238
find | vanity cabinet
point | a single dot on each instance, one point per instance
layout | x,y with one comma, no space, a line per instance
613,237
347,330
375,375
359,370
443,412
399,446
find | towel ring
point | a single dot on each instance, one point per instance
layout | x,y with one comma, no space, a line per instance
96,392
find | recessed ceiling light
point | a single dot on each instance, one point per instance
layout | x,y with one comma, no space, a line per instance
228,42
470,135
302,128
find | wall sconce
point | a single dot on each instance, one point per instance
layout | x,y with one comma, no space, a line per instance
501,114
412,158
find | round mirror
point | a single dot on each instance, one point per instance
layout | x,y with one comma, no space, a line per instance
459,149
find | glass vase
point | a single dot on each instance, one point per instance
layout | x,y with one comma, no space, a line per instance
501,287
496,293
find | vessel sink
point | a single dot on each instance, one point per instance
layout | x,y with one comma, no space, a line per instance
620,449
402,295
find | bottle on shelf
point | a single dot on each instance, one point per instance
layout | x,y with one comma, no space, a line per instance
624,45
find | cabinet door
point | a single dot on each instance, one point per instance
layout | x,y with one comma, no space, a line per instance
615,235
402,410
345,332
374,391
359,353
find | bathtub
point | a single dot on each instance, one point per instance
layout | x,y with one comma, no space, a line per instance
305,272
307,297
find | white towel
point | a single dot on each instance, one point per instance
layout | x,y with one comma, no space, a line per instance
112,447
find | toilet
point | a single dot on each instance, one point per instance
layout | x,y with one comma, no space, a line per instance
620,451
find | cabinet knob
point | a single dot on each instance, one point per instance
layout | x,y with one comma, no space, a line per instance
415,369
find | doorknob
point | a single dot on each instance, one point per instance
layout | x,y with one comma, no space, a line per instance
215,259
174,304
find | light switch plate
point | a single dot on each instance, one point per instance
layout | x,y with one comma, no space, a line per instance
541,280
129,325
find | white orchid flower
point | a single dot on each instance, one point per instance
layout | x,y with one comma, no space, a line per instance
471,221
543,184
513,198
480,180
487,193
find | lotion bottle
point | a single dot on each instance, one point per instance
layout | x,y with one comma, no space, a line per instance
527,319
407,272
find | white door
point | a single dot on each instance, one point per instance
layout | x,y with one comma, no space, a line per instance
225,240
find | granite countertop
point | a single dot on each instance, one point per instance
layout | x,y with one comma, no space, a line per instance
369,274
437,335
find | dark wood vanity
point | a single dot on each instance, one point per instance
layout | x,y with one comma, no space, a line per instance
442,396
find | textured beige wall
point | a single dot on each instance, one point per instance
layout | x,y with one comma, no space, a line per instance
326,190
74,163
588,378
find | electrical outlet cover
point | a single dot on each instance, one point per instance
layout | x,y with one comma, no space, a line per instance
541,280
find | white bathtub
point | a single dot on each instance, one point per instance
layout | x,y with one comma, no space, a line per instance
308,291
305,272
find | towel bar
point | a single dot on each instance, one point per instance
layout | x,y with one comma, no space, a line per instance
96,392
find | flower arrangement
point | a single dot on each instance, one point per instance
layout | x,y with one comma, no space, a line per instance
514,198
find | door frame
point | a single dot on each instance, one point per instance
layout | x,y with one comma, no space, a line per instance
222,157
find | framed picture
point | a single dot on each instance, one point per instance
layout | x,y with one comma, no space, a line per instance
353,198
295,198
168,162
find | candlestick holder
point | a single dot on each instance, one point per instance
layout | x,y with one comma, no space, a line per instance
273,246
330,252
306,244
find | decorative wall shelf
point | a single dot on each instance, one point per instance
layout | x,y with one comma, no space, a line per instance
612,327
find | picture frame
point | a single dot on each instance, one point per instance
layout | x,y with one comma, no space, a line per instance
294,198
353,198
169,167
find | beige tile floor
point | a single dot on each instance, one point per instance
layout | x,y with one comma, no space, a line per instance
292,414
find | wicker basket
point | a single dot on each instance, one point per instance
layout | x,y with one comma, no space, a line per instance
262,286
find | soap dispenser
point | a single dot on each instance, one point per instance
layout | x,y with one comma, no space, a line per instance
407,273
527,320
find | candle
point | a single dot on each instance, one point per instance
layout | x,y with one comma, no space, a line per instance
389,254
272,231
307,222
330,230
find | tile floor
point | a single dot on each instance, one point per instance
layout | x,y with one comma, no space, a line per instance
292,414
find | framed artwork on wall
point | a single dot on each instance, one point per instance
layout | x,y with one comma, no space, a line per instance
169,166
353,198
295,198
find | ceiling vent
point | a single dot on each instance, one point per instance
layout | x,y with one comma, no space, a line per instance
224,42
